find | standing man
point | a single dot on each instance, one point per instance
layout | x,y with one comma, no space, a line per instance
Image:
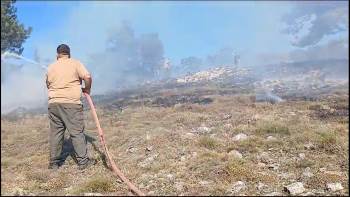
63,80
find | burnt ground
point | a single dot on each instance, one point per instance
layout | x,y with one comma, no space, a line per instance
192,139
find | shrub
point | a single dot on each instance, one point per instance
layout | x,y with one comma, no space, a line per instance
207,142
272,127
97,184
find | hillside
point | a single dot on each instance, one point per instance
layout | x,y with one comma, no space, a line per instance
196,136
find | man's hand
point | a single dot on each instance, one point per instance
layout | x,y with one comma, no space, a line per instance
86,90
87,82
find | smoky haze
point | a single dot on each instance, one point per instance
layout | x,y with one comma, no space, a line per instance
120,57
126,60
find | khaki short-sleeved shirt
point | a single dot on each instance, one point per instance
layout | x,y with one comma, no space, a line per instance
64,79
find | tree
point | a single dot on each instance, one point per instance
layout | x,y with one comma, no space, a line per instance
13,33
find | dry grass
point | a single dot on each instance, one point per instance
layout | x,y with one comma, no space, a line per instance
183,163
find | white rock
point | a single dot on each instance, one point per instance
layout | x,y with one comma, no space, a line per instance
307,172
261,186
273,166
189,135
264,157
92,194
212,135
261,165
307,194
325,107
204,129
333,173
183,158
235,154
309,146
295,188
240,137
149,148
302,155
179,186
204,182
238,186
274,194
170,176
271,138
334,186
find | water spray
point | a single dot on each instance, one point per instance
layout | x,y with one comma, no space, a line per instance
16,56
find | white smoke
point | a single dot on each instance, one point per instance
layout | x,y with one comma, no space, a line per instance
23,84
310,22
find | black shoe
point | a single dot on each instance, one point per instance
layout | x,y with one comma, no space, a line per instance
53,166
89,163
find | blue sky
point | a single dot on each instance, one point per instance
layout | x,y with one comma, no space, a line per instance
185,28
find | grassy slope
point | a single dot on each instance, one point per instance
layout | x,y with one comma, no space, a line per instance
180,163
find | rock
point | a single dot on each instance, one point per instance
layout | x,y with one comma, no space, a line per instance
240,137
189,135
131,149
235,154
295,188
333,173
170,176
151,193
271,138
227,116
149,148
261,165
309,146
93,194
261,186
274,194
334,187
292,113
202,130
148,161
307,172
325,107
194,154
228,126
307,194
204,182
183,158
19,192
302,155
264,157
238,186
179,186
273,166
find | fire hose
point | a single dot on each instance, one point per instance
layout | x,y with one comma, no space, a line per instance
115,169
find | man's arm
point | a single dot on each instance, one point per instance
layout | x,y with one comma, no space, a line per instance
88,82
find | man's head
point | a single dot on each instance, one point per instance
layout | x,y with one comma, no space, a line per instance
62,50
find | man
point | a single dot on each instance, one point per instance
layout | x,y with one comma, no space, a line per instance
63,79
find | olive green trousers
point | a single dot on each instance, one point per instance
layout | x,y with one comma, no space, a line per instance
67,116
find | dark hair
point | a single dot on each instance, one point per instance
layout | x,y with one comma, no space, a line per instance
63,49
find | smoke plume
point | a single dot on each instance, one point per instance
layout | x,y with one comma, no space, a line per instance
310,22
